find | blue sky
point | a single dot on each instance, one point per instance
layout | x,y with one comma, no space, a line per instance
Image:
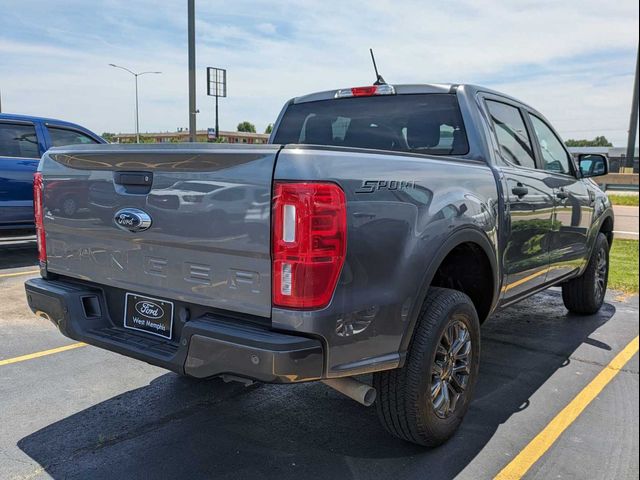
573,60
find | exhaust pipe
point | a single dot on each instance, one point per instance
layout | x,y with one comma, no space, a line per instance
44,315
361,392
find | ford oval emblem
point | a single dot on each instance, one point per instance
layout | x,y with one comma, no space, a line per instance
132,219
149,309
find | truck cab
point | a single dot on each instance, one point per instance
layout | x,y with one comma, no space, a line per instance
23,140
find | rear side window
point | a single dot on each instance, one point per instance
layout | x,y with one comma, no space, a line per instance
422,123
514,141
18,141
62,136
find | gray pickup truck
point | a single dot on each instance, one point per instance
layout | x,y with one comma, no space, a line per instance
373,235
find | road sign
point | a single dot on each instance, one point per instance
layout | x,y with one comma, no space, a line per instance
216,82
216,87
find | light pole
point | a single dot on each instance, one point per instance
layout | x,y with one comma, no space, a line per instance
136,75
191,40
633,120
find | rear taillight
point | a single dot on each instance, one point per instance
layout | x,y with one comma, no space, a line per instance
309,243
39,217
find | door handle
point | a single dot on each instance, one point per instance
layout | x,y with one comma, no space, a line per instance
562,195
520,190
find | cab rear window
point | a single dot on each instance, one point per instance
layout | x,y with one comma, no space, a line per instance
422,123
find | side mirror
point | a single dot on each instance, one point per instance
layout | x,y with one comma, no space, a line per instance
593,165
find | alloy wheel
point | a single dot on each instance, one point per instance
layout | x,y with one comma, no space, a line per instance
451,368
601,273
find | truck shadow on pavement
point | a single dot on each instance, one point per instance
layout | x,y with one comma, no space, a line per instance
182,428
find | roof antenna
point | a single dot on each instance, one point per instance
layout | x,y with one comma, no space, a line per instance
379,79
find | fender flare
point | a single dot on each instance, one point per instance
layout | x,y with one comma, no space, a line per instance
460,236
593,233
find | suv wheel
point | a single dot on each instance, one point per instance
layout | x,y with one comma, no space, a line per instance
585,294
69,207
424,401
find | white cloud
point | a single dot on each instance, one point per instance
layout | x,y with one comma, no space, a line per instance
573,60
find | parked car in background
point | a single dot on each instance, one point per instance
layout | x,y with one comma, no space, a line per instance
23,140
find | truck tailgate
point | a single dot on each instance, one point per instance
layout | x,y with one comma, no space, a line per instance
209,206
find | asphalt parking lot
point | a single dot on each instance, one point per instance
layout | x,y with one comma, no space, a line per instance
626,222
88,413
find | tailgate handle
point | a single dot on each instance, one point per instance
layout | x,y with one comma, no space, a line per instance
133,178
134,182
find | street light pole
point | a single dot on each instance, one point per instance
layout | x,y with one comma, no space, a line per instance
633,120
191,40
137,118
135,75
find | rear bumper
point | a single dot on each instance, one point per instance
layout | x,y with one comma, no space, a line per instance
208,346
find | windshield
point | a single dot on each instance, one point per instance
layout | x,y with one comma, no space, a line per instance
423,123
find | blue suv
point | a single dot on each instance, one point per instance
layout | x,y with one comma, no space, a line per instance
23,140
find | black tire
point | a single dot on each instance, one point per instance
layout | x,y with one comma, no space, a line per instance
585,294
405,406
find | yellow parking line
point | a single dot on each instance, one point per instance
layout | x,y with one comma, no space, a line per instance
44,353
15,274
521,464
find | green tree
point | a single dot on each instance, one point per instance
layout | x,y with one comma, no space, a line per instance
246,127
269,129
599,141
109,137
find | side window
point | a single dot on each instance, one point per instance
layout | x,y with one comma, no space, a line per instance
62,136
18,141
515,144
554,157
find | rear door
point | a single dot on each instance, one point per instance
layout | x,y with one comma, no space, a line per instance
209,210
573,203
20,153
529,201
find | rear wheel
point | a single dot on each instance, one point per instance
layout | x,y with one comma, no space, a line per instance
585,294
424,401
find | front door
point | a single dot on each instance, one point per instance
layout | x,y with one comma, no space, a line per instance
573,203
